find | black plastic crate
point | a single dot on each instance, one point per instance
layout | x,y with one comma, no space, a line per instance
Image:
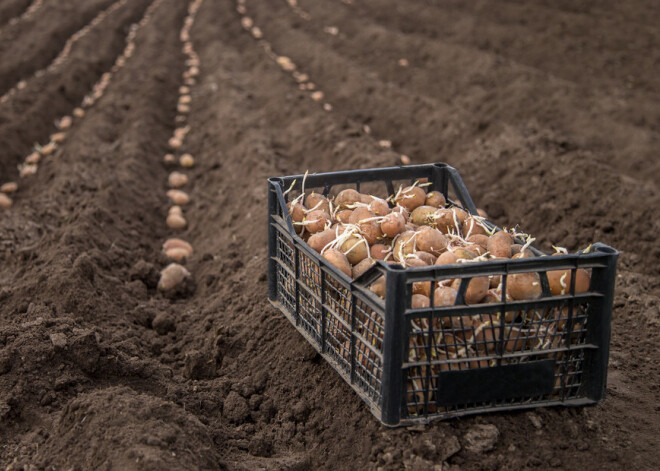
416,365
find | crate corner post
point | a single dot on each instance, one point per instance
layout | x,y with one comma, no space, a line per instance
601,320
393,346
272,240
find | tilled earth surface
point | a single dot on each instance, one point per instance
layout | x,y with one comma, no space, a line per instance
549,109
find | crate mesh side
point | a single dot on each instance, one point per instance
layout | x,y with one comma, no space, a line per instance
355,345
310,315
368,364
459,343
338,333
310,296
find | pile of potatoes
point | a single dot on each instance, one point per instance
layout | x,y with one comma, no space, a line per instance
416,228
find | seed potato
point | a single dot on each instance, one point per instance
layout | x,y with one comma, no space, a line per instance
347,197
176,221
172,276
175,243
419,301
444,296
380,251
316,221
339,260
317,201
435,199
431,240
560,281
393,224
5,201
355,248
524,286
9,188
321,239
411,198
178,197
177,179
362,267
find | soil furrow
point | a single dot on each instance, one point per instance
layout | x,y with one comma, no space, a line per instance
269,128
512,30
11,10
426,127
644,14
244,105
101,370
113,134
28,117
97,244
31,45
450,66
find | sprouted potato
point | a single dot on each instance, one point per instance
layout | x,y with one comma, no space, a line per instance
414,229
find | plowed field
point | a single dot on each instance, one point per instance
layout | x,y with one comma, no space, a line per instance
549,110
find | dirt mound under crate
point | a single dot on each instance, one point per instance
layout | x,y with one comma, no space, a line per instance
547,109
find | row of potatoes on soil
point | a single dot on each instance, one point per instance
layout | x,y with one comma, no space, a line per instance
64,125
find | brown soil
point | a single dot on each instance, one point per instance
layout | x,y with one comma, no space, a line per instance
28,117
548,109
32,44
12,9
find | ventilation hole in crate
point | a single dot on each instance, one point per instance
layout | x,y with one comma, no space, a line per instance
379,286
368,369
560,281
568,375
423,288
338,298
286,289
370,324
310,315
310,274
338,343
417,347
285,251
418,385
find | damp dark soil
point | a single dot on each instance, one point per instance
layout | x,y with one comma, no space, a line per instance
549,110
